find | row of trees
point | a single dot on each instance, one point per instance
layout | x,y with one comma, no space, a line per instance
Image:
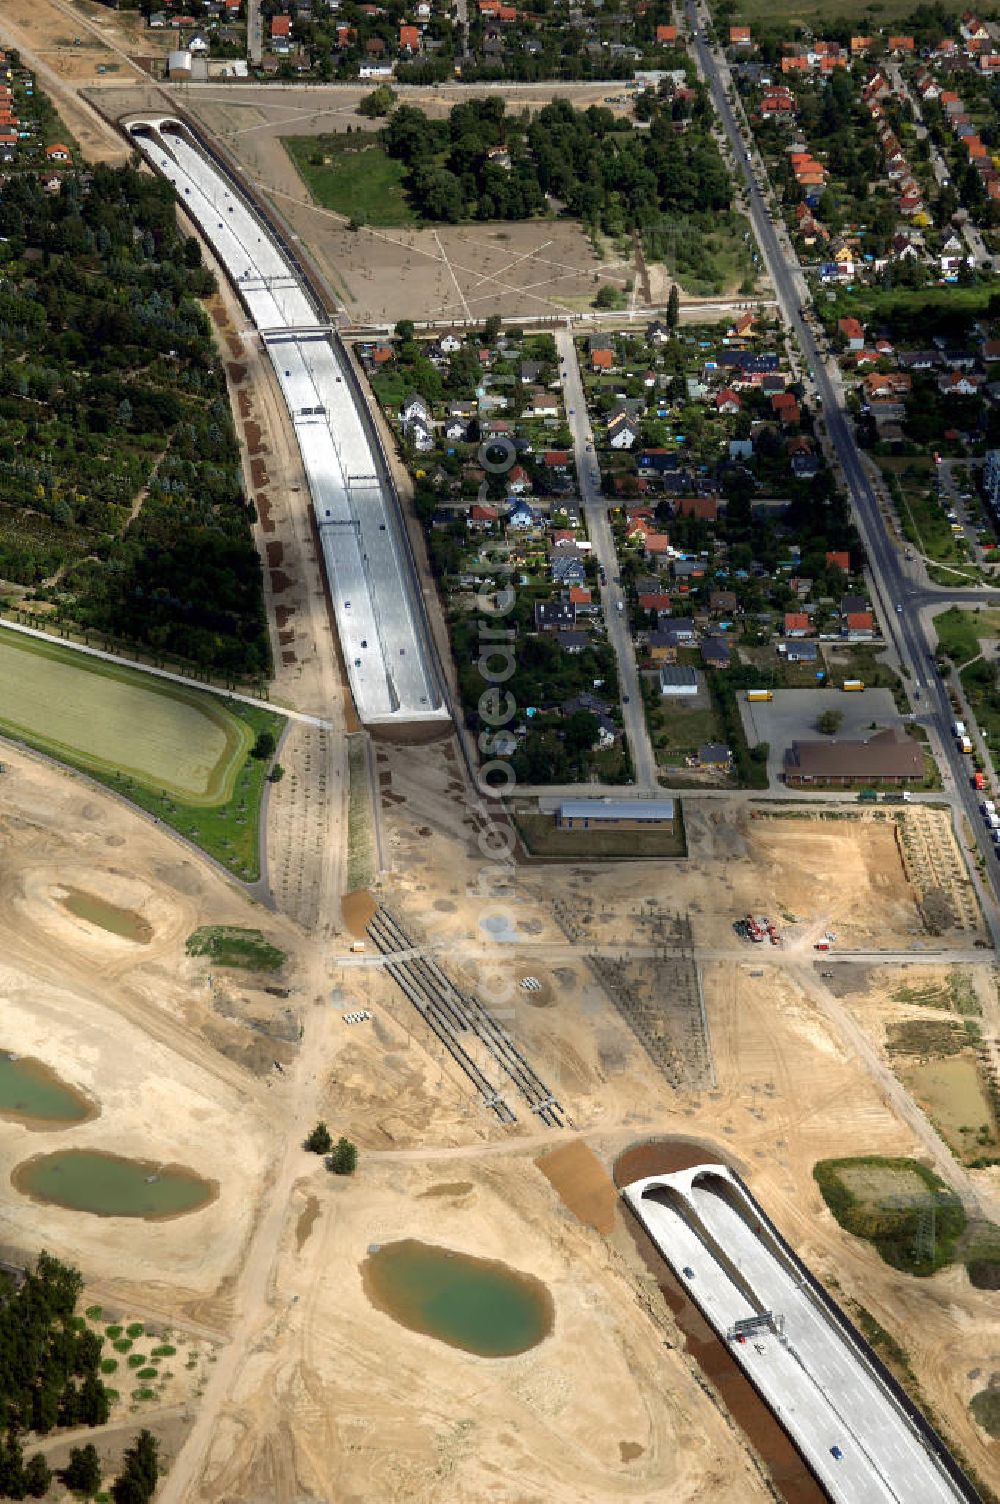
341,1157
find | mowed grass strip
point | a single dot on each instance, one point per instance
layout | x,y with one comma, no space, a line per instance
182,755
353,176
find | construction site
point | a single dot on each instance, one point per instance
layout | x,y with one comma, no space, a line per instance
495,1037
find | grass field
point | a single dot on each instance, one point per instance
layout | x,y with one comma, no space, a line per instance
542,839
181,755
360,832
351,175
899,1205
958,631
174,740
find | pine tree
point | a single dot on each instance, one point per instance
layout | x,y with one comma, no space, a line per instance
37,1477
82,1473
319,1140
344,1159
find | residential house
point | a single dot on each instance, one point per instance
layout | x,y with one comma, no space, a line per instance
853,332
623,431
715,652
859,626
714,755
797,624
839,559
722,602
727,401
554,616
801,650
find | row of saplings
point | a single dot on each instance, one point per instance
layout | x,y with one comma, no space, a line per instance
135,1484
341,1157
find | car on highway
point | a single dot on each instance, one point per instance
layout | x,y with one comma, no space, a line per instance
836,1453
688,1271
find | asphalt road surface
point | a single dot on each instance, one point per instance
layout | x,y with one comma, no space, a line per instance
613,599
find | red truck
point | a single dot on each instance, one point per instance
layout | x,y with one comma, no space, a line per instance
979,780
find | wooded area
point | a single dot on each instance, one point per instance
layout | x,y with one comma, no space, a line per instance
482,163
121,499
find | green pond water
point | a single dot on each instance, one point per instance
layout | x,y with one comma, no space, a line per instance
108,916
479,1305
85,1180
30,1092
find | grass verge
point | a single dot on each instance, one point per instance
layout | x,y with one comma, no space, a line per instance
360,832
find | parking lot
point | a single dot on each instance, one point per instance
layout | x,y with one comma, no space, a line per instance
793,713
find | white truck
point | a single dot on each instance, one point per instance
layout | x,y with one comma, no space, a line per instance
958,729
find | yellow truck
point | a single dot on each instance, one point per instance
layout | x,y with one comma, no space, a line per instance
757,696
852,686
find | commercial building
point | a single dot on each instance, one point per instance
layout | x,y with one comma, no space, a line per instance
678,680
615,814
886,757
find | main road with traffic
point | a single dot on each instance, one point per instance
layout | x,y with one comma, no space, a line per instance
899,599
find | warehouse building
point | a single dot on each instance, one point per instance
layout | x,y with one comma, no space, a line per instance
886,757
615,814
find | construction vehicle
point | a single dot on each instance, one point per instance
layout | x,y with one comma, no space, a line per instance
978,780
754,930
822,945
852,686
756,696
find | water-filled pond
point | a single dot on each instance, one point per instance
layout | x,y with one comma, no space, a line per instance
32,1094
480,1305
87,1180
107,916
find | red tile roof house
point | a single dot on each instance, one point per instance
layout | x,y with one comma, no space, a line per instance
739,36
602,360
666,35
57,152
727,401
859,626
853,332
409,39
657,543
839,561
797,624
281,28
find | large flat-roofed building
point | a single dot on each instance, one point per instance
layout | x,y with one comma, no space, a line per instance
885,757
615,814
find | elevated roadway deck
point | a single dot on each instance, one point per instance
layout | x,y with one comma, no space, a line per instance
863,1439
374,591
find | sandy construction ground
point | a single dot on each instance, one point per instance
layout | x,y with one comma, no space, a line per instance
312,1393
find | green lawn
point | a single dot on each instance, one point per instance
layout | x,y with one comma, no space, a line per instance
958,631
815,12
353,176
181,754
